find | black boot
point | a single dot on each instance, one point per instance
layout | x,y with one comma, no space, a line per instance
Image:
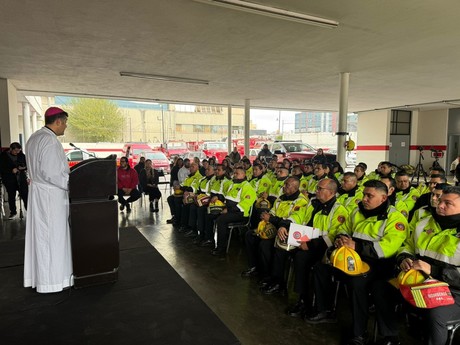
151,207
156,209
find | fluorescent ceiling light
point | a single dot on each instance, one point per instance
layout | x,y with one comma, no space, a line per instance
164,78
274,12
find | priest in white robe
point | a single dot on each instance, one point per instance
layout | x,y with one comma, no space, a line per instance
48,254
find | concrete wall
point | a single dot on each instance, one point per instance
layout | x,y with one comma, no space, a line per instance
373,137
429,129
9,127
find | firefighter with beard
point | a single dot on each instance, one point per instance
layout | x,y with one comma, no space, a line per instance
239,200
349,194
276,188
434,248
219,187
259,249
404,191
261,184
376,231
323,213
320,172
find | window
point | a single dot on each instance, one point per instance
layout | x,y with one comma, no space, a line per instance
400,122
76,156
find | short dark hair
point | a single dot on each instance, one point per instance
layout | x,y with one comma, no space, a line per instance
401,173
15,145
442,177
362,165
441,170
379,185
350,174
451,190
51,119
323,165
391,179
442,186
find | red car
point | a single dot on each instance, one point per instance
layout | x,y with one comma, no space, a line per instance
159,160
176,148
133,151
217,149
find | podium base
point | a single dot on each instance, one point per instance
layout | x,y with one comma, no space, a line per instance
96,279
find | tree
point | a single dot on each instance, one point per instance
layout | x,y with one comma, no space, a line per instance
94,120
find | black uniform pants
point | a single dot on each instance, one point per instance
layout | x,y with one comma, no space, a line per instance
185,215
304,260
222,227
260,252
384,295
12,186
201,213
280,258
435,321
175,206
209,220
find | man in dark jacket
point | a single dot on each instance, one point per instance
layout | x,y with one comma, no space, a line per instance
13,170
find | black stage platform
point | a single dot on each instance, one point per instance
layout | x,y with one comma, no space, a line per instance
150,304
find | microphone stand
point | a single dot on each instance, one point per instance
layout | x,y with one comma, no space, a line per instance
79,149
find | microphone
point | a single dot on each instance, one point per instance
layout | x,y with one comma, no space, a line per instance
79,149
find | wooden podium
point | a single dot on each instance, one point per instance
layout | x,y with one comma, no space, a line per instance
94,222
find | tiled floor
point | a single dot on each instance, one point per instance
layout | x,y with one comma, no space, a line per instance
254,318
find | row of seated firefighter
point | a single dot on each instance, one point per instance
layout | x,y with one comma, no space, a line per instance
390,243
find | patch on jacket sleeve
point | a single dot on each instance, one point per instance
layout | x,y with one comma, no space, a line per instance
400,227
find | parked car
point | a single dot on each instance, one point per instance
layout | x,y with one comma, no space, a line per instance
159,160
76,156
133,150
217,149
175,148
192,154
253,154
296,150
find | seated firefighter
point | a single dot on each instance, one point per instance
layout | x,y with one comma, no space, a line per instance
239,200
127,181
404,191
219,187
375,231
259,243
149,179
433,249
261,184
181,191
328,216
194,213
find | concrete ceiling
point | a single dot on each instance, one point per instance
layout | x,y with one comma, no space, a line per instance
398,52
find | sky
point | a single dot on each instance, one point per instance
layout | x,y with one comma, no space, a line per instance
269,120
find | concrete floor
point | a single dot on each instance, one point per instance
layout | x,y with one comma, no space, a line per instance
254,318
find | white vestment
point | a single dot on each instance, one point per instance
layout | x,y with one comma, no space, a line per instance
48,255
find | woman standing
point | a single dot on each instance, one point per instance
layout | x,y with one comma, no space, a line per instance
149,179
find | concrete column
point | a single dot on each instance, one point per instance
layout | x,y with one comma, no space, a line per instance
229,129
343,111
247,124
26,121
34,121
144,132
9,129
